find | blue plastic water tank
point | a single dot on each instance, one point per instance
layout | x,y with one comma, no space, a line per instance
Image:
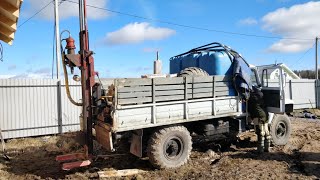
213,62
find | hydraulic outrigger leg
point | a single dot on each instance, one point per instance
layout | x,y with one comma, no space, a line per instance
85,62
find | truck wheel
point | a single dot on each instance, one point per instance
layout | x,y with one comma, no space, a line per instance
192,71
280,129
169,147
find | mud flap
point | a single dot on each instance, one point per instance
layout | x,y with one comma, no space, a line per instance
136,143
104,136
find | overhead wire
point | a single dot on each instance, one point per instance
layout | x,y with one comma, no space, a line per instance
166,22
302,56
39,11
1,52
192,27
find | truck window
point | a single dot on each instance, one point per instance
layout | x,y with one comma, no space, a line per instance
254,78
271,77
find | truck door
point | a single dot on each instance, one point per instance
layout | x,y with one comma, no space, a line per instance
273,89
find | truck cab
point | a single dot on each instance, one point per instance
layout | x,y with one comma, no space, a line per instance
273,87
278,105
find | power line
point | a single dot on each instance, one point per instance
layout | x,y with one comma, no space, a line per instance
35,14
192,27
1,52
306,52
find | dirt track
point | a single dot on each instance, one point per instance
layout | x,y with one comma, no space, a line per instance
34,158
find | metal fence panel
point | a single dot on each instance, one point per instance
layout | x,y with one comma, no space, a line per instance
70,113
30,107
303,93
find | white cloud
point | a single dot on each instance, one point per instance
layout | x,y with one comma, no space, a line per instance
66,9
248,21
26,76
40,73
136,33
6,76
151,50
299,21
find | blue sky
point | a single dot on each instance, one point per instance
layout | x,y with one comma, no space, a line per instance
125,46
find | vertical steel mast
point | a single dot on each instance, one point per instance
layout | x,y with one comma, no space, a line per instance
87,75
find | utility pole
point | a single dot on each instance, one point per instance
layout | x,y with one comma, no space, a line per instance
57,30
317,76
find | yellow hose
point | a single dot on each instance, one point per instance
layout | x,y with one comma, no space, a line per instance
67,83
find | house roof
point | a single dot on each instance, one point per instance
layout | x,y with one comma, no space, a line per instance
9,14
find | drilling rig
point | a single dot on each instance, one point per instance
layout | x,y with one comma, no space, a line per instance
85,62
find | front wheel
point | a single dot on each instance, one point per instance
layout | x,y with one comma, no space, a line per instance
169,147
280,129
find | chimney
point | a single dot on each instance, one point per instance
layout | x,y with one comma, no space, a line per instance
157,65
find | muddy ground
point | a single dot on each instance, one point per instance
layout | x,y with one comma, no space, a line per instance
34,158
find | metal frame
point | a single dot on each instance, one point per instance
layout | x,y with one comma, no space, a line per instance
215,46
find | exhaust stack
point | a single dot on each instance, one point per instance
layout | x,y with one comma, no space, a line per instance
157,65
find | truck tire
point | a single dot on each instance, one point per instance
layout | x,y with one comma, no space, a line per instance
192,71
280,129
169,147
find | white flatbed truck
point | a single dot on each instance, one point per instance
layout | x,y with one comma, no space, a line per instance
161,113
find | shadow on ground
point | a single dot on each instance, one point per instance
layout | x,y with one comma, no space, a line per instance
306,163
34,162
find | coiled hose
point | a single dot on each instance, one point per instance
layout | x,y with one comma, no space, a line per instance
66,80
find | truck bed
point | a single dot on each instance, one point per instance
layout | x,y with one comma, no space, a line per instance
143,103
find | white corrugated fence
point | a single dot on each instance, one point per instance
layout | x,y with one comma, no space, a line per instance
33,107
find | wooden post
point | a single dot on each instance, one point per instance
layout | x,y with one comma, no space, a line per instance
154,121
186,97
214,96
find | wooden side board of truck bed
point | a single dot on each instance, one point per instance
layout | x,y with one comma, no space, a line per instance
143,103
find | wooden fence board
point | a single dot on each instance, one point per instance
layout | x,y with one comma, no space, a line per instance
135,100
165,93
202,90
134,89
164,81
134,94
169,98
171,87
134,82
202,85
203,79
